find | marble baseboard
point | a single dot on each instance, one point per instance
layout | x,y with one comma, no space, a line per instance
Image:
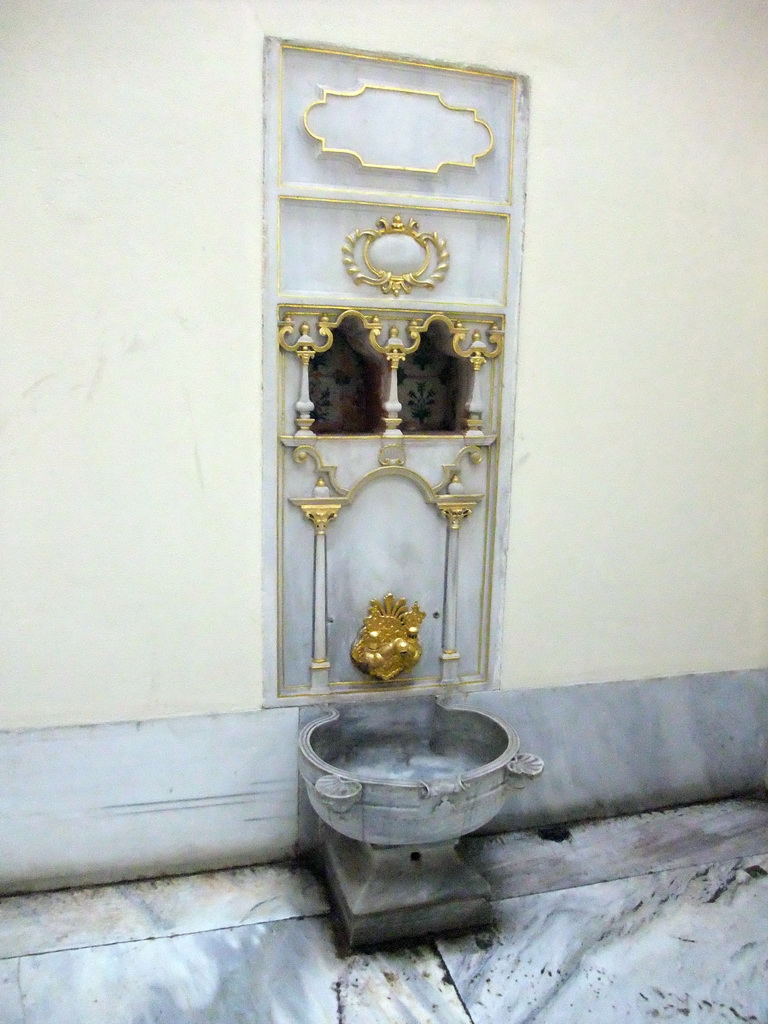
685,944
625,747
104,803
520,863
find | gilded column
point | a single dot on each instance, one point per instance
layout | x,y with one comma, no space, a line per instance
456,507
320,510
478,352
305,348
395,350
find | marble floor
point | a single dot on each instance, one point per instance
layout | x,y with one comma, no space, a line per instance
648,918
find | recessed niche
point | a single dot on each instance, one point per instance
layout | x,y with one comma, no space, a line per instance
433,386
345,384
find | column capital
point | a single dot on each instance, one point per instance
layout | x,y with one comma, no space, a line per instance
457,507
320,513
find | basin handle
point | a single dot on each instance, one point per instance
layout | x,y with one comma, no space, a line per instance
443,787
338,794
522,767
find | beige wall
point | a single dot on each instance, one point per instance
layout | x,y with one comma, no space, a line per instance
129,388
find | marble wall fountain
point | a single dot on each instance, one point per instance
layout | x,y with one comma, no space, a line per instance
394,224
396,783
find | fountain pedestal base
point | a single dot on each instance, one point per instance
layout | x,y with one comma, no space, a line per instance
384,893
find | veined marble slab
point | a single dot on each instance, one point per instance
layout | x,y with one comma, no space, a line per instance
519,863
638,745
284,972
83,805
88,804
73,918
11,1008
104,803
685,944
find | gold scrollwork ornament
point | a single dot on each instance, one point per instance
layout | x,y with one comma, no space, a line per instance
388,644
429,256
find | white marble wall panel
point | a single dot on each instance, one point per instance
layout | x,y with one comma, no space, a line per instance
108,802
312,233
618,748
389,539
351,139
400,128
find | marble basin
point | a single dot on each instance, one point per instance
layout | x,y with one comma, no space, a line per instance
411,770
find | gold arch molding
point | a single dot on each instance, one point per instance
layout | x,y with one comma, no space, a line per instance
433,103
389,466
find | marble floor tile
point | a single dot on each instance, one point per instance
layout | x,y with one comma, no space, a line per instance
284,972
518,863
685,938
72,918
691,944
11,1007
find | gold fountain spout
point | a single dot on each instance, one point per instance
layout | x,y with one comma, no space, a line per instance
388,643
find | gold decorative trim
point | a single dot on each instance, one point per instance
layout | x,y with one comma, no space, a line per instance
393,348
451,469
456,328
388,642
382,58
371,316
304,346
387,281
402,471
479,351
389,465
319,511
324,471
457,508
392,455
325,148
372,324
